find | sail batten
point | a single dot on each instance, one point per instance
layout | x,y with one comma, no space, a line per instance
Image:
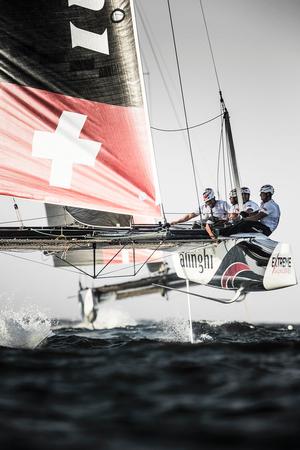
74,129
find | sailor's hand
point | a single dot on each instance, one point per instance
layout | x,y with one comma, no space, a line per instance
167,225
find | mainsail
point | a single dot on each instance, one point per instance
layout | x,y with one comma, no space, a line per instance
73,124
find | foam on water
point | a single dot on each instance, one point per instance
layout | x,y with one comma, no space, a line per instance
26,328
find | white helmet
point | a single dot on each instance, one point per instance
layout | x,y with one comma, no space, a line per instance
245,190
208,194
267,189
232,193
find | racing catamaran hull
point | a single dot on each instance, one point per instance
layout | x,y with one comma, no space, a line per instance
249,263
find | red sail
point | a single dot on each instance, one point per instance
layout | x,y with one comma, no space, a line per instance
73,126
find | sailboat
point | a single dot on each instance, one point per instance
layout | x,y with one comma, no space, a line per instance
75,135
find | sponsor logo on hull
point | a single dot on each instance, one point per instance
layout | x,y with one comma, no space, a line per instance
196,261
200,264
280,271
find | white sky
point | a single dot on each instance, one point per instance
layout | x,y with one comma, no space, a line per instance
257,51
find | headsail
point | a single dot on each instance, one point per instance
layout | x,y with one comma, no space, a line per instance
73,123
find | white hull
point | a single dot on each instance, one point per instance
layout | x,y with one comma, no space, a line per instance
250,262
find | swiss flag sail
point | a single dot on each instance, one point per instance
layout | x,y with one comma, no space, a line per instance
73,126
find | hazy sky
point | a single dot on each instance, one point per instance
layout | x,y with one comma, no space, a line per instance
257,51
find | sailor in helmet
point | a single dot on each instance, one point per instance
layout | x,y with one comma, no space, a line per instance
213,210
265,220
269,211
248,205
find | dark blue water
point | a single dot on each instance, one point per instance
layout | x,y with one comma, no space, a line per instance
237,387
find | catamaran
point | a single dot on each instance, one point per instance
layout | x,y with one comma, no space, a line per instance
75,135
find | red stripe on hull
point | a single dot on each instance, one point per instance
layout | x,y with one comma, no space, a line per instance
121,179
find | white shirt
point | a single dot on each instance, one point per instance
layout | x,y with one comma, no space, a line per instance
234,209
273,214
219,211
250,205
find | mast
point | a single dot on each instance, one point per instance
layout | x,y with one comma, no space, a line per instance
232,154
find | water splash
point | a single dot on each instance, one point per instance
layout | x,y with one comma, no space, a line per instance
26,328
217,323
109,318
204,337
176,330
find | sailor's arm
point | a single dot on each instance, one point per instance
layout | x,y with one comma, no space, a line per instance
256,216
185,218
247,213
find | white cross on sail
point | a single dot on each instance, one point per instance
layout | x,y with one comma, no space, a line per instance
65,148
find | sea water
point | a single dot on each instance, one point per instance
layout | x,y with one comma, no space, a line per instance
142,385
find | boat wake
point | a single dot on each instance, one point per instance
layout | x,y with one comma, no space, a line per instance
26,329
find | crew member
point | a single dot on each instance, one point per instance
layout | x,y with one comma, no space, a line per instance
234,211
248,205
215,211
265,220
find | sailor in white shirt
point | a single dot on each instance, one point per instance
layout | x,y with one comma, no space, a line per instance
269,211
213,210
248,205
265,220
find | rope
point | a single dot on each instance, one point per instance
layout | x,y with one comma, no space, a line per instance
174,130
185,110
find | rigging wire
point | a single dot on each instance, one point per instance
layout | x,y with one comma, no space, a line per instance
231,158
154,152
223,106
210,47
189,128
185,109
221,143
156,52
